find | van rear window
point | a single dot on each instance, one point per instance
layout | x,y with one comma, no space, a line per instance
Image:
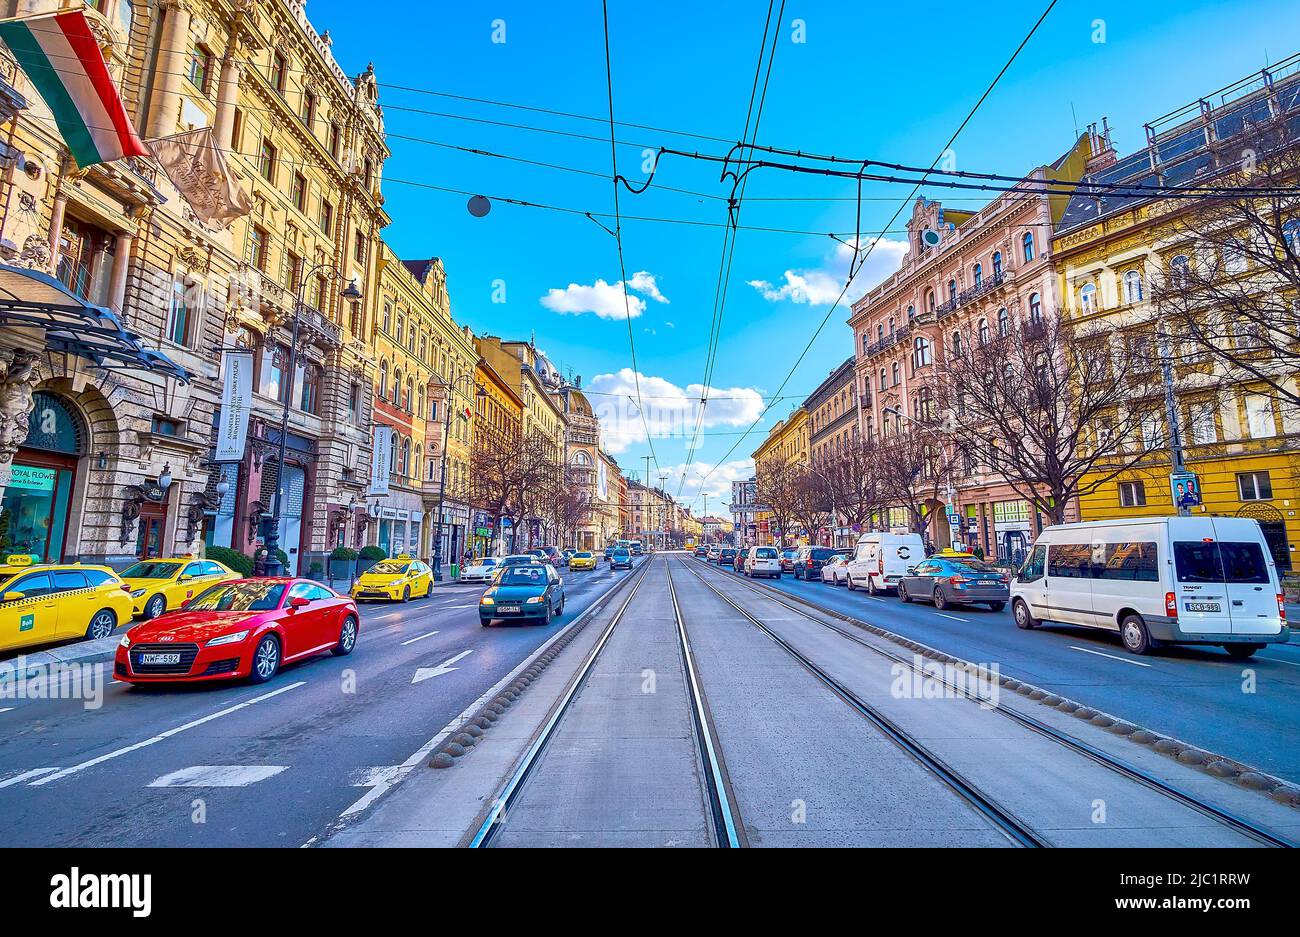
1231,562
765,553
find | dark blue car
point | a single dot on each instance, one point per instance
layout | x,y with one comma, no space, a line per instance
528,592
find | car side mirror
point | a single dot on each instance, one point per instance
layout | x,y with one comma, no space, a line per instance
299,601
13,596
911,570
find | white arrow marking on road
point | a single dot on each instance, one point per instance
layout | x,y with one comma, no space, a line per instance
218,776
419,638
424,673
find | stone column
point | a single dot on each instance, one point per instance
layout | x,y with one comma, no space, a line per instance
18,378
223,127
173,52
117,282
56,230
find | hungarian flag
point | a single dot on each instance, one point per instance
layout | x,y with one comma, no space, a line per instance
60,56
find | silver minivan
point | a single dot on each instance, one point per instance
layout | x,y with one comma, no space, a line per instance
1183,580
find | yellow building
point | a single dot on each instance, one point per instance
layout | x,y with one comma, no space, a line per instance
498,415
788,444
1108,252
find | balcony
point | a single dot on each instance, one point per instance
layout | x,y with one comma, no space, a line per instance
889,341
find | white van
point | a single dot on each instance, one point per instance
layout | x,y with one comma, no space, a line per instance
880,559
1186,580
762,561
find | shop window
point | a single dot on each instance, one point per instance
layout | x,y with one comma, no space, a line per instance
36,501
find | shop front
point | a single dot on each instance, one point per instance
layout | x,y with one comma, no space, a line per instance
35,511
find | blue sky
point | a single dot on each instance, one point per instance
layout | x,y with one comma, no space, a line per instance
887,83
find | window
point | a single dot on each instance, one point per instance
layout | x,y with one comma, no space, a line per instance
1132,494
85,260
1201,428
893,373
309,401
1069,560
1180,268
952,291
866,342
335,140
1088,298
293,271
921,355
978,276
1223,562
884,380
997,264
1035,308
257,247
929,300
984,331
309,108
354,402
1134,562
397,385
200,73
274,383
956,343
1234,257
1255,486
891,327
911,314
165,426
1004,323
1259,416
383,380
237,130
1132,287
388,318
1029,246
278,70
299,192
1152,430
326,217
266,160
359,247
401,328
183,315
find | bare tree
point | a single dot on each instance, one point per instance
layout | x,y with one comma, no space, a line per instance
854,478
774,484
912,467
1230,287
1054,412
811,499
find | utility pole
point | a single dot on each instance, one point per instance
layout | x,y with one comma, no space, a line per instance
663,511
1177,466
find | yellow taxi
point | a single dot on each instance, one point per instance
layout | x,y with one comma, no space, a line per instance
398,579
41,603
160,585
583,559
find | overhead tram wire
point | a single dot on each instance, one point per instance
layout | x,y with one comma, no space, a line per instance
618,237
902,205
729,235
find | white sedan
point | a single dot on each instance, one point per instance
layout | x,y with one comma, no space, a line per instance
480,569
836,570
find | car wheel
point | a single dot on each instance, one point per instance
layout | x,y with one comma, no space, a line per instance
848,581
1242,651
1133,632
940,600
266,660
902,593
101,624
1020,612
871,586
546,618
560,609
406,594
155,607
997,606
485,622
347,638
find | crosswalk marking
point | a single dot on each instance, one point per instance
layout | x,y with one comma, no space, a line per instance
218,776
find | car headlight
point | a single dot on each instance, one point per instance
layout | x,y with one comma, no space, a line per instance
228,639
126,641
487,600
535,600
137,593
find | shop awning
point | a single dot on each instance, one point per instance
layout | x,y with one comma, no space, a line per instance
31,299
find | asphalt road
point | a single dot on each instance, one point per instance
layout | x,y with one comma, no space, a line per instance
271,765
1243,710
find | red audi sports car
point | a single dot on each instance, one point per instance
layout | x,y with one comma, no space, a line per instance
244,628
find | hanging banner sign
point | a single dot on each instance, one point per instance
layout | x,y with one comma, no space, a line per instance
236,402
381,457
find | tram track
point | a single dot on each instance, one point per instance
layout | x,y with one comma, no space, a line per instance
1239,824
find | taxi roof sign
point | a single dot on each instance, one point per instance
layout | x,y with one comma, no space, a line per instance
19,559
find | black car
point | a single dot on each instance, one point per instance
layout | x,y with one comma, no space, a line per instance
807,562
727,557
527,592
948,582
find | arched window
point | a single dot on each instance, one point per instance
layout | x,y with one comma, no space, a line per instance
921,352
978,274
884,379
1035,308
392,459
880,332
1029,246
866,342
403,466
893,373
420,409
397,385
581,458
911,314
984,331
383,380
1291,235
929,300
1132,287
956,343
891,326
1180,267
417,462
406,399
952,291
1088,298
997,263
923,405
1004,323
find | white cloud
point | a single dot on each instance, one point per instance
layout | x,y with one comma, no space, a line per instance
705,478
606,300
669,411
821,286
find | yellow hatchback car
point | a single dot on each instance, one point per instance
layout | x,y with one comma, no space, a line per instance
50,602
396,580
583,559
159,586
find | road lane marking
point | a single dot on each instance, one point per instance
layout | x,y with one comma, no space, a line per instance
27,776
7,709
162,736
953,617
420,638
424,673
449,607
218,776
1122,660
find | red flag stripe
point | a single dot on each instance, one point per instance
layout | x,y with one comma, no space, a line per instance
77,31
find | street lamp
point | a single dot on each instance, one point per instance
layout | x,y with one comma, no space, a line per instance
451,386
270,562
